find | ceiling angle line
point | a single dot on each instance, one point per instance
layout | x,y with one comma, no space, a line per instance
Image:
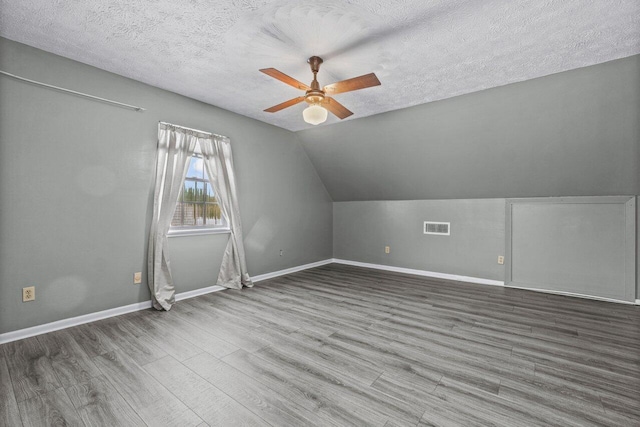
84,95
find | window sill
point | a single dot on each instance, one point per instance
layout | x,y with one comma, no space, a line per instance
198,232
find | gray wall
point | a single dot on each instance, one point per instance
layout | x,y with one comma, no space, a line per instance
76,186
575,244
575,133
362,230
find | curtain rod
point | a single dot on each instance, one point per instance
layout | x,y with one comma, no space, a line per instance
192,130
108,101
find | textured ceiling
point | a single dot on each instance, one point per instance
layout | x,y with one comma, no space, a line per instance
421,50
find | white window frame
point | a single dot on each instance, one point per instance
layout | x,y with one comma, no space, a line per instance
198,230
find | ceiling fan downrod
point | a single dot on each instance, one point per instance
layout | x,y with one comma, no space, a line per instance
315,95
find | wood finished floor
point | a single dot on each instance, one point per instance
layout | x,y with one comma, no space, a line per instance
336,346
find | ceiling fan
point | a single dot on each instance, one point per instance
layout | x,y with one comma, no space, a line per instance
317,98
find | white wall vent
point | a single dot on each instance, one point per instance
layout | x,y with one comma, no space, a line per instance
439,228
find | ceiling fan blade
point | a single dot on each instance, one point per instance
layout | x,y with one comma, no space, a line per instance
279,75
336,108
285,104
356,83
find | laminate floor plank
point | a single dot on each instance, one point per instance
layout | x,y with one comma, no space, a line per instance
338,291
69,361
431,316
211,404
338,345
327,322
305,284
356,368
398,423
92,340
575,350
311,319
30,369
200,315
497,367
610,335
497,318
424,364
174,323
440,335
150,399
552,344
131,341
338,386
624,406
271,406
49,409
333,404
568,310
405,386
168,340
302,392
269,318
99,404
299,318
578,407
575,360
9,412
460,405
232,312
611,388
347,313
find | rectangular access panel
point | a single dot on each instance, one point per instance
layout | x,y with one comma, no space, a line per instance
578,245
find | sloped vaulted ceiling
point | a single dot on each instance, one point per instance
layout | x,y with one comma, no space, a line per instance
575,133
422,50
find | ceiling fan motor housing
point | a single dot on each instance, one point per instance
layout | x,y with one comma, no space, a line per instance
314,96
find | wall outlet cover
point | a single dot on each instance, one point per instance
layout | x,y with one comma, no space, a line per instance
28,294
387,249
500,259
137,278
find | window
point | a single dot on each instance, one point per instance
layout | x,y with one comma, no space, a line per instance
197,211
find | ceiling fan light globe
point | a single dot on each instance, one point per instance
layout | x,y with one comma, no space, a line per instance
315,114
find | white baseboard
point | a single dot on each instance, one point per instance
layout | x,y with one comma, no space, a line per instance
572,294
73,321
472,280
420,272
92,317
198,292
271,275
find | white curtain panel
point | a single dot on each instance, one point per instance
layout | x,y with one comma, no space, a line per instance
175,149
218,161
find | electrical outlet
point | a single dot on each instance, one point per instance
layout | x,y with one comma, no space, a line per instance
281,252
28,294
387,249
500,259
137,278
